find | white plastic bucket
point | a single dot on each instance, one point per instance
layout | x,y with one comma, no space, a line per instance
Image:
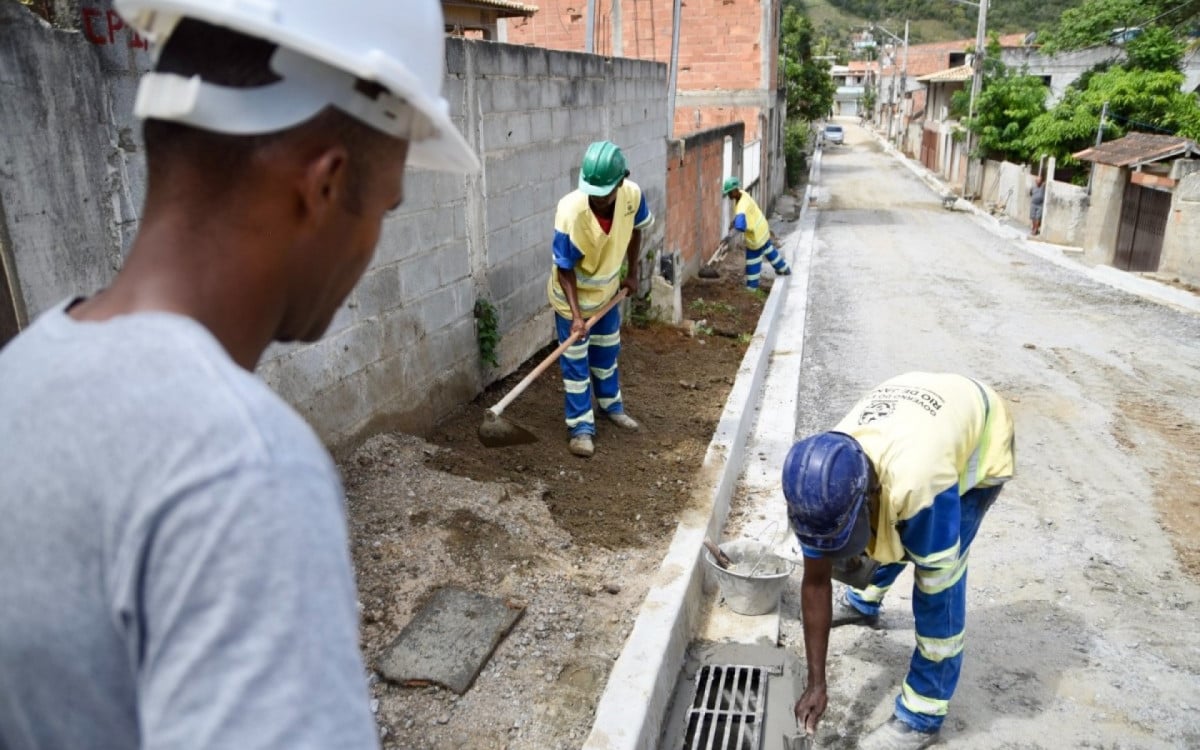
744,594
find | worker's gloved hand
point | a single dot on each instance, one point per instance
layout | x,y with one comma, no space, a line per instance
811,707
631,286
577,326
737,241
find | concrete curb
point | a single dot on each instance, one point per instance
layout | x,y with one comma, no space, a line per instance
1140,286
635,701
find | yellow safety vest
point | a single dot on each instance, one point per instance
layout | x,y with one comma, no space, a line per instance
597,274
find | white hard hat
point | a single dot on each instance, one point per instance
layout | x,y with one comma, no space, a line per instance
323,47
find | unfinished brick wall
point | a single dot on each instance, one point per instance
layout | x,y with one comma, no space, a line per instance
695,169
720,49
694,119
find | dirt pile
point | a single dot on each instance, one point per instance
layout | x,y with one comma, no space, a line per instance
573,541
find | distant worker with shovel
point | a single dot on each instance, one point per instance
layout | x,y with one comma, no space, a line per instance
751,231
906,476
597,228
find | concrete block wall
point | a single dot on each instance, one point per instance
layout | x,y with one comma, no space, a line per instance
695,166
1104,214
1180,255
1064,215
402,351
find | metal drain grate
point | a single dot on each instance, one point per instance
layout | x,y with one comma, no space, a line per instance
727,712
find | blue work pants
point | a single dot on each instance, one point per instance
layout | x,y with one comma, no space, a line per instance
940,610
591,365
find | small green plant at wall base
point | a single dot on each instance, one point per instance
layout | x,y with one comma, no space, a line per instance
705,307
487,328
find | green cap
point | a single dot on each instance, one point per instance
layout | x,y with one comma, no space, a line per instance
603,168
730,184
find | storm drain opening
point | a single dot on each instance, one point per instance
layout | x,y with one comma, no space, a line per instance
727,712
733,696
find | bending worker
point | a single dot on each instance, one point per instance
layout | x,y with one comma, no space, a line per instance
751,231
906,476
597,228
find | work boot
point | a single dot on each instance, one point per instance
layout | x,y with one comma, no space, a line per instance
623,420
896,735
581,445
845,613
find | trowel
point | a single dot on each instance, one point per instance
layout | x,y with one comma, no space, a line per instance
799,741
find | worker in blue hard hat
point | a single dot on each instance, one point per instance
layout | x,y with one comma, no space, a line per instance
750,231
906,476
597,232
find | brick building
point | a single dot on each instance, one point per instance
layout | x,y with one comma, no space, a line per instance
728,62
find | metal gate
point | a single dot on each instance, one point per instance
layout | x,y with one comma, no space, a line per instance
929,144
1144,213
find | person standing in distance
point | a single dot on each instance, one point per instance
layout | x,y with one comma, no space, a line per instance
1037,205
174,570
597,229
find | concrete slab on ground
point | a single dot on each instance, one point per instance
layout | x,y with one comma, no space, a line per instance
449,639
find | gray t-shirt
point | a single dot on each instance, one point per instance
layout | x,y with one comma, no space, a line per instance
173,558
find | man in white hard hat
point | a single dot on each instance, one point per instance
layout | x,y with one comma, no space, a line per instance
174,570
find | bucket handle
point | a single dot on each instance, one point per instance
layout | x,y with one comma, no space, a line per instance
767,548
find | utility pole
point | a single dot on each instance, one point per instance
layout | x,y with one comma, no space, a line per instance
976,84
673,76
903,80
903,73
1100,128
589,43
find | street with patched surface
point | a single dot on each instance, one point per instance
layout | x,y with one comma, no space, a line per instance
1083,580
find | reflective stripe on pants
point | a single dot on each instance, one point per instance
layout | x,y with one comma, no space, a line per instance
754,259
939,609
591,366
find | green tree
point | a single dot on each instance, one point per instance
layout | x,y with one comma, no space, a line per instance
1093,21
993,68
1006,107
1155,49
810,88
1143,100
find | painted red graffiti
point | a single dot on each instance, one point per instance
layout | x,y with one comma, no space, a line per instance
101,26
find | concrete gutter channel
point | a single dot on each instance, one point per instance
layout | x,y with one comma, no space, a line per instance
749,440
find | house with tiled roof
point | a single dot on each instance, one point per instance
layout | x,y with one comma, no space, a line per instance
480,18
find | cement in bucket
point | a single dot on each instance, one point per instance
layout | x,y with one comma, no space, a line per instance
744,594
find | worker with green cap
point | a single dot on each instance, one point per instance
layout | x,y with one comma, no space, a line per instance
751,231
597,229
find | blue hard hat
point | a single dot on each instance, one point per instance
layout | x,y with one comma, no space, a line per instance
825,481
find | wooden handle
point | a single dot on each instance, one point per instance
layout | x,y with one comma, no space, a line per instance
720,557
503,403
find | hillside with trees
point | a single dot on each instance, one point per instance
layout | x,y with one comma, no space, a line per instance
939,20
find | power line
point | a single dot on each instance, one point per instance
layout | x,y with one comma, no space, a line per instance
1130,121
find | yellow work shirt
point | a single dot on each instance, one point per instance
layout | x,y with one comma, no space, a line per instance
596,256
758,232
925,433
